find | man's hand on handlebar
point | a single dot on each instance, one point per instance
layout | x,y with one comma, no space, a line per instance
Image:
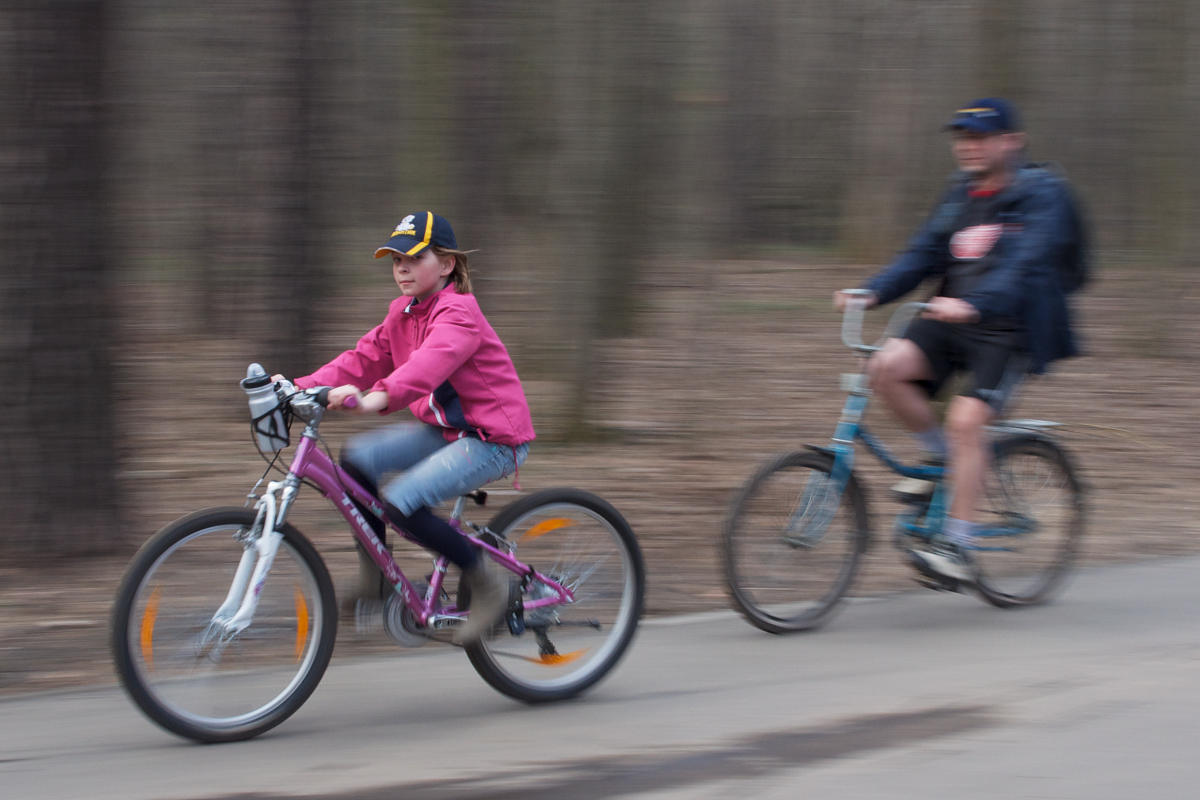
842,299
945,309
951,309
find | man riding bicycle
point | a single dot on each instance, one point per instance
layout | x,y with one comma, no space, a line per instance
998,241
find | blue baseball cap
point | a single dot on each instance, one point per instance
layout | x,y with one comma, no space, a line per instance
418,231
986,115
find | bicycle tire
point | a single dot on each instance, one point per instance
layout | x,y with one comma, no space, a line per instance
581,541
780,580
185,678
1032,479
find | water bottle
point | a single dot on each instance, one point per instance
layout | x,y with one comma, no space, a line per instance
266,412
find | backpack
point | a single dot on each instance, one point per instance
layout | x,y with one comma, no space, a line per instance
1074,268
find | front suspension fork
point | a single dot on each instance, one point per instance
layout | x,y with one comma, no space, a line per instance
260,546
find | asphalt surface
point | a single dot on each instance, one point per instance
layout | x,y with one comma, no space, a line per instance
915,695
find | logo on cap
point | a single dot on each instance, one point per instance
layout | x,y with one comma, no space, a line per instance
986,115
405,228
435,231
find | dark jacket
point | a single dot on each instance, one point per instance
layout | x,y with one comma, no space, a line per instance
1023,282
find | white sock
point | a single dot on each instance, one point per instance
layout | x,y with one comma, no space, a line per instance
959,531
933,441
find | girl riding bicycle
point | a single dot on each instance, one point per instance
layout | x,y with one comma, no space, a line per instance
435,353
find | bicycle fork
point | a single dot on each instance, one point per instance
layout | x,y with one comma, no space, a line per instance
260,544
818,503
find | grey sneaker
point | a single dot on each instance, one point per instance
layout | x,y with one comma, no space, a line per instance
945,567
916,490
489,599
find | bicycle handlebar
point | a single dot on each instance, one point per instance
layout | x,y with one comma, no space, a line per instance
852,321
287,391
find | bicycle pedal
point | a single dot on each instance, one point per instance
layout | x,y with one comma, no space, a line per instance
910,499
368,616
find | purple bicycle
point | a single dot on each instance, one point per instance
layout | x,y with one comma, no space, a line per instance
225,620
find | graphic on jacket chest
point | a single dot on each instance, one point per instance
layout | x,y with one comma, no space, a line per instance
975,242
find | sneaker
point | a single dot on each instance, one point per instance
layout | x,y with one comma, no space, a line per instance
918,490
947,568
488,594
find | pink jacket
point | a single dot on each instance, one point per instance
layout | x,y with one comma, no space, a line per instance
442,359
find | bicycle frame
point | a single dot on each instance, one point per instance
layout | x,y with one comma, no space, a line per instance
850,430
312,464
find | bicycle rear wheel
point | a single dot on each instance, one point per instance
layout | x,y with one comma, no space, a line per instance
792,543
1033,505
175,662
580,541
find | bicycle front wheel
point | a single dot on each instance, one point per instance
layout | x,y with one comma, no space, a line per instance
792,543
557,651
182,668
1031,522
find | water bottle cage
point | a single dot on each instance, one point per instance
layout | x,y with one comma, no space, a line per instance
267,424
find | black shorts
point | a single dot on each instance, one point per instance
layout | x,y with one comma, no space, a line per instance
993,359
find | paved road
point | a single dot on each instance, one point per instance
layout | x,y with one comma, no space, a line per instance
918,695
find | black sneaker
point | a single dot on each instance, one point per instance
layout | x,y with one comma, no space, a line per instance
947,568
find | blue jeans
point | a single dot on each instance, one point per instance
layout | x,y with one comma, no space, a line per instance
431,469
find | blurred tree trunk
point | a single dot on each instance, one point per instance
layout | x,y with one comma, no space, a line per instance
1160,127
611,106
581,125
628,217
999,49
221,225
874,195
749,60
57,437
483,112
290,243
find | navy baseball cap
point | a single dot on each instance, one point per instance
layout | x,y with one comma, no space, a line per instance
986,115
418,231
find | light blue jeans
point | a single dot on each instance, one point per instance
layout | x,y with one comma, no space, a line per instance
431,469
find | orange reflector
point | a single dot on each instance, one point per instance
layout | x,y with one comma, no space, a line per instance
301,622
555,659
148,617
544,527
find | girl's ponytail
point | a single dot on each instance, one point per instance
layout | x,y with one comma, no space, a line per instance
461,276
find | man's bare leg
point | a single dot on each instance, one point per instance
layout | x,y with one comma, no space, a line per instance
968,452
894,371
968,459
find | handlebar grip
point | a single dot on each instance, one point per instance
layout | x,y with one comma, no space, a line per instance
322,396
350,402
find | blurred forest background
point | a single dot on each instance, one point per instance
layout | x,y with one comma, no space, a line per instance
205,182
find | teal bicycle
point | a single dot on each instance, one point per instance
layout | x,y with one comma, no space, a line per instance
797,530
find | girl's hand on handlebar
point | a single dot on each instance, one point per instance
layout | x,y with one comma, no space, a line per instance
951,309
842,299
339,394
369,403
